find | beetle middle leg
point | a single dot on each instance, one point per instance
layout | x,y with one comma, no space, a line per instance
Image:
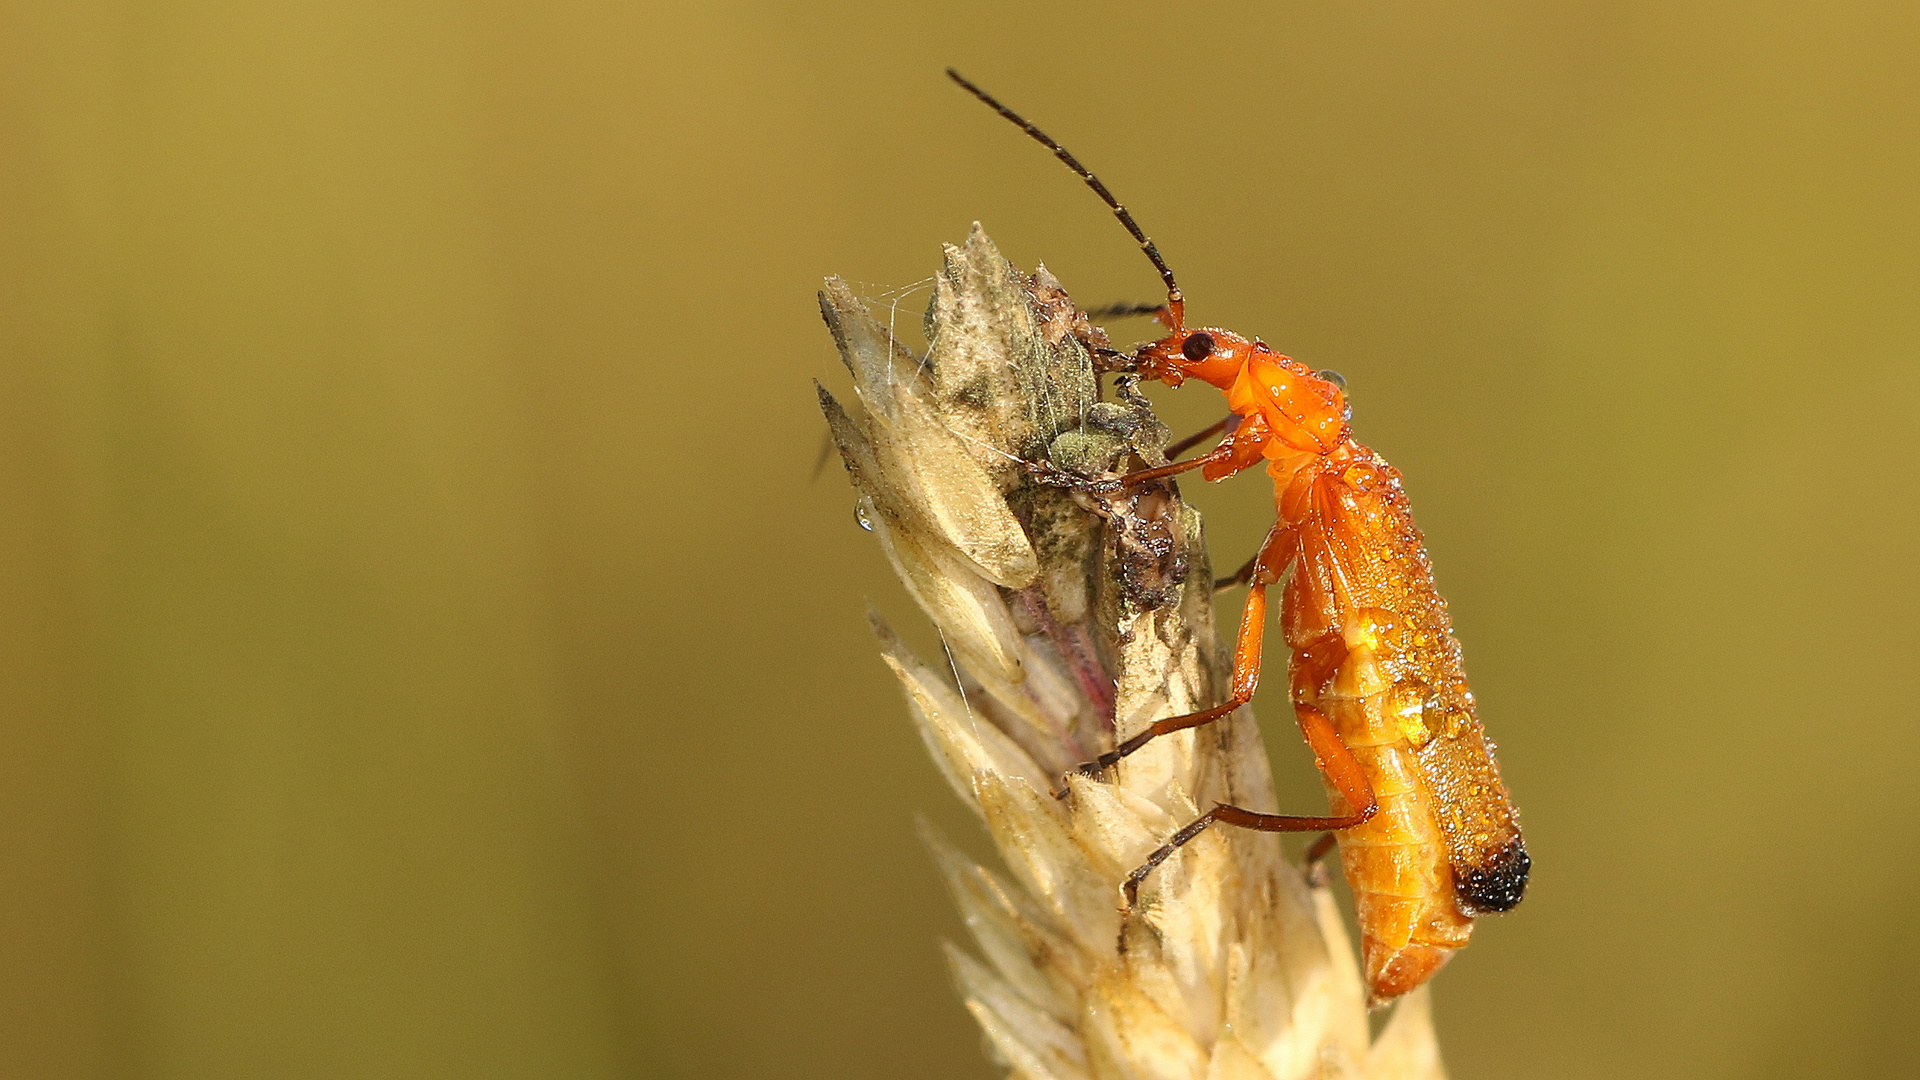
1246,676
1275,553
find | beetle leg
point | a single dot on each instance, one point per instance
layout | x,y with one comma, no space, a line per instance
1238,577
1246,676
1174,450
1231,455
1275,553
1314,861
1222,452
1243,448
1336,762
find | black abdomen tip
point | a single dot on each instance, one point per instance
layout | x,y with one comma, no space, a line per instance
1497,886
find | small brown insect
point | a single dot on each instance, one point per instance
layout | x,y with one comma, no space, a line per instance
1428,835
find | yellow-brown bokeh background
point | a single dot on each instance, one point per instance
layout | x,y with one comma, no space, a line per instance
427,655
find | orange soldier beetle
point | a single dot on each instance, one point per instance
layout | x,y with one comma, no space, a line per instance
1428,835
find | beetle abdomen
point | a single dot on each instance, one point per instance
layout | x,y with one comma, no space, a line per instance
1397,864
1497,886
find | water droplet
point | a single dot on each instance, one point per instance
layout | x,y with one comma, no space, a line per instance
860,517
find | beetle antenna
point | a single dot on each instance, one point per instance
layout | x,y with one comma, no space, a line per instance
1176,303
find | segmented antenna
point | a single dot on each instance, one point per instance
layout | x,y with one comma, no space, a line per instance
1176,303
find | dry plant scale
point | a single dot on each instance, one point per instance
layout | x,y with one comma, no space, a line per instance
1037,525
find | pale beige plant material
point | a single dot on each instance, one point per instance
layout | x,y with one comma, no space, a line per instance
1072,619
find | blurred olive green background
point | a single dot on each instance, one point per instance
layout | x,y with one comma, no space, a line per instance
427,655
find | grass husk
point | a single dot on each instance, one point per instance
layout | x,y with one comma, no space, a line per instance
1073,620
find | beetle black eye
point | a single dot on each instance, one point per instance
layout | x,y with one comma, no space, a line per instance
1197,348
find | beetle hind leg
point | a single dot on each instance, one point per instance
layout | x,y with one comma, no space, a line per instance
1336,762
